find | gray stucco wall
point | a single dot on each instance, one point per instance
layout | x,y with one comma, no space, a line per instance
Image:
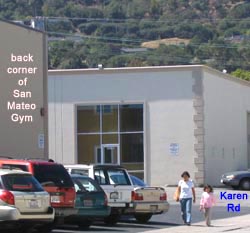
226,103
168,98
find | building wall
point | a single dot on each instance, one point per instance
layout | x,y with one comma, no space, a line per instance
21,48
168,98
226,102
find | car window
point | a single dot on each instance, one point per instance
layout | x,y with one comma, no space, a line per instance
20,182
137,181
100,177
80,172
85,185
118,177
15,166
52,175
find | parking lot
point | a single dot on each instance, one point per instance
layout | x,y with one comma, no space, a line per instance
172,219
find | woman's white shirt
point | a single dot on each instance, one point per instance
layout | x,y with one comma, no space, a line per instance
186,188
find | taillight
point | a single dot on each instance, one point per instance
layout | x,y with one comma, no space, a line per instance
163,196
105,200
7,197
137,196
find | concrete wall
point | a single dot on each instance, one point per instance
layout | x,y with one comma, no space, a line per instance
226,102
168,105
23,129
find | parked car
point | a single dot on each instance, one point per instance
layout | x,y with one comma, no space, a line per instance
148,200
91,202
237,179
23,202
116,183
54,178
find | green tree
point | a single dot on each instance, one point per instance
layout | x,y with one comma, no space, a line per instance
242,74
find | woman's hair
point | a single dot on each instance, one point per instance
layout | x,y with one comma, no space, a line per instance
207,186
185,173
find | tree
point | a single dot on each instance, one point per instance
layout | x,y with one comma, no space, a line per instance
242,74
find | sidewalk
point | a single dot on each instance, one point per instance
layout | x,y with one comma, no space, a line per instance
234,224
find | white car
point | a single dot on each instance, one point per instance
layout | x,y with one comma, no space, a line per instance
148,200
116,183
23,202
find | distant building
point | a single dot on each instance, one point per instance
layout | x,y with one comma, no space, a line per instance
155,121
133,50
38,23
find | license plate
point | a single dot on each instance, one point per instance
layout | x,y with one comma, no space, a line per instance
153,208
114,195
55,199
34,204
87,202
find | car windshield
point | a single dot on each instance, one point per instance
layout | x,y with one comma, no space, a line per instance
85,184
137,182
53,175
21,182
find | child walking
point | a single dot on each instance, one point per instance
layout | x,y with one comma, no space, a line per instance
206,203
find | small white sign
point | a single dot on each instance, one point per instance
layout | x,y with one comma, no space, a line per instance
174,148
41,141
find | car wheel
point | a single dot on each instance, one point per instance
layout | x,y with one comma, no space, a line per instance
143,218
112,219
84,225
245,184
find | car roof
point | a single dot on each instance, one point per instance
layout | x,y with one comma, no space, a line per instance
27,161
103,166
12,171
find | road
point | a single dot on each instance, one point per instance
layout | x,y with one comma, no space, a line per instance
171,218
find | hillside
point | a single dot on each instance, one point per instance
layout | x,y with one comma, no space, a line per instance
84,33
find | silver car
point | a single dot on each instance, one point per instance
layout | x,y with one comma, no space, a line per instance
23,202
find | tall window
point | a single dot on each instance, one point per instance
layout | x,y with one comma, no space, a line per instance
117,126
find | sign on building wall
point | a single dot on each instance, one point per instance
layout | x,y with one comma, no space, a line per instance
174,148
23,77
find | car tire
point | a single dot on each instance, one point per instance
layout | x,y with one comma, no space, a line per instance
143,218
84,225
112,219
245,184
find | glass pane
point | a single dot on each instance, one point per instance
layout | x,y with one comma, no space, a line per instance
131,117
110,118
110,155
88,146
110,139
132,148
88,119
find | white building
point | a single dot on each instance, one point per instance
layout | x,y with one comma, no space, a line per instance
155,121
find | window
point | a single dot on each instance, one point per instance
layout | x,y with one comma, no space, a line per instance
85,185
15,166
22,183
88,120
117,124
80,172
118,177
100,177
131,118
52,175
132,148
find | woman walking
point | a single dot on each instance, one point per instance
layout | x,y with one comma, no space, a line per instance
186,197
